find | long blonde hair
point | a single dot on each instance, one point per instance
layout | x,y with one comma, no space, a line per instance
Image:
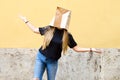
49,35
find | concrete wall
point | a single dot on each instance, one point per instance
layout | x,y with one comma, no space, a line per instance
18,64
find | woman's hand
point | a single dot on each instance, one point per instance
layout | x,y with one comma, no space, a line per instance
96,50
23,18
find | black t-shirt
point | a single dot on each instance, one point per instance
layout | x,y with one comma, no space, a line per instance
54,49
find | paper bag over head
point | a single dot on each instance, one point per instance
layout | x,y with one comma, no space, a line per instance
61,18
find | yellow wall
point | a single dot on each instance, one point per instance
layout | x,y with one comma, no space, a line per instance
94,23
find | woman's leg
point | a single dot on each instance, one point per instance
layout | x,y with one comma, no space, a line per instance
52,69
39,68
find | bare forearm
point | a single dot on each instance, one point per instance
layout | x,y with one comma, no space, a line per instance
33,28
84,50
79,49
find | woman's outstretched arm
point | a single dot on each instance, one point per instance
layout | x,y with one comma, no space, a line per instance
79,49
33,28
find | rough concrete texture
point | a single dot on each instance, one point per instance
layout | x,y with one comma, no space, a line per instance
110,64
18,64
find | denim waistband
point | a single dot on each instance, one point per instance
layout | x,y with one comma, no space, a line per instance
43,58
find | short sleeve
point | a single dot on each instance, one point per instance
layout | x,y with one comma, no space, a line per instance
43,30
71,42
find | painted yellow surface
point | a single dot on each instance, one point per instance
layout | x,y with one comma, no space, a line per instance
94,23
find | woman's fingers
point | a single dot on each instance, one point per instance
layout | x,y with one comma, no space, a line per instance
23,18
97,50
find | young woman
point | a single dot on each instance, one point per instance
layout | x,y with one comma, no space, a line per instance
56,41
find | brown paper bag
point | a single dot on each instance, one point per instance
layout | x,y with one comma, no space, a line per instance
61,18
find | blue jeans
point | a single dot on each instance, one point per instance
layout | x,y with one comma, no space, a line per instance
43,63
